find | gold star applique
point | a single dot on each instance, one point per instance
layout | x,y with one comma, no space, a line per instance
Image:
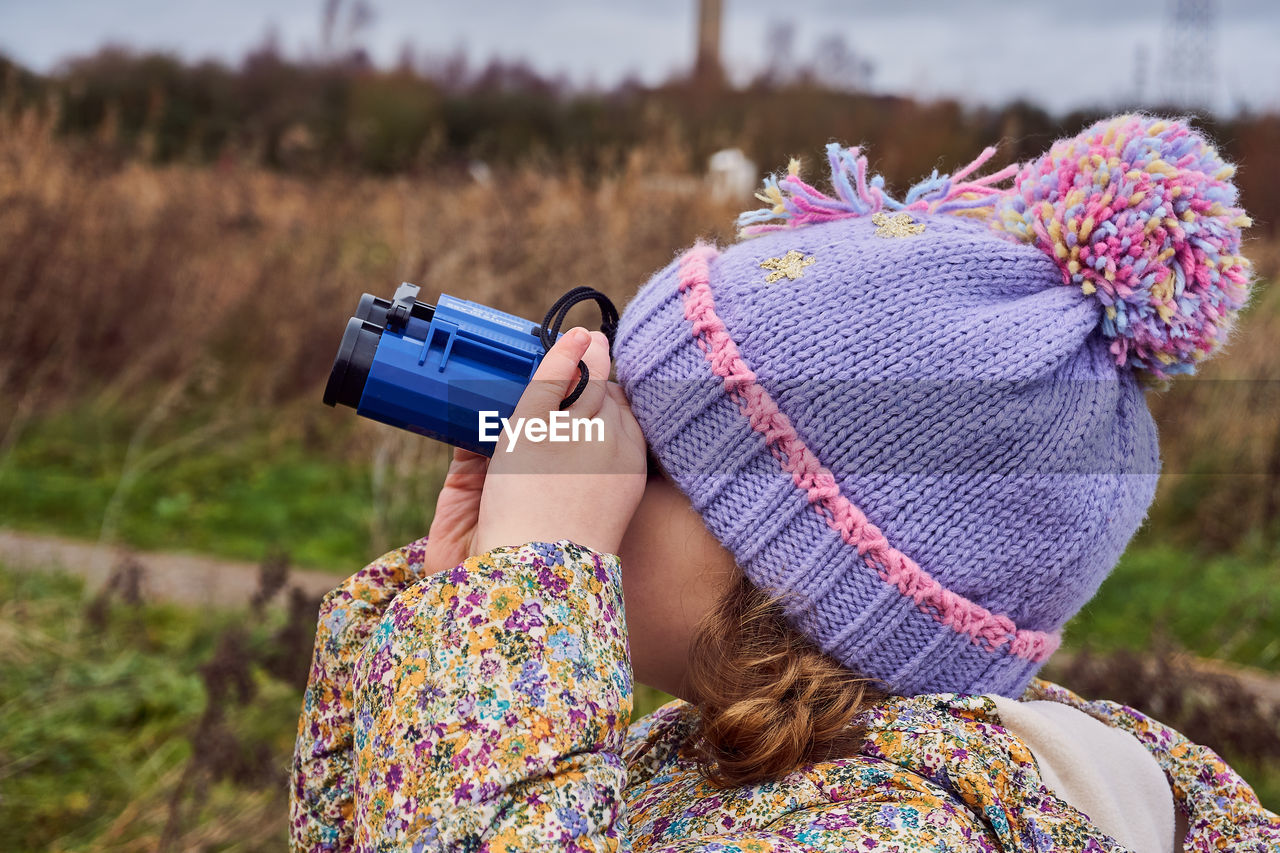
791,265
898,225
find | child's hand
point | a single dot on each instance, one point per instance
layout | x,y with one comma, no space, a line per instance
453,527
586,490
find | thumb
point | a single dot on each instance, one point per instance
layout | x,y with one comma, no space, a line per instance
557,375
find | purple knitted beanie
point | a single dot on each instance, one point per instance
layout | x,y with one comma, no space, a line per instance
923,421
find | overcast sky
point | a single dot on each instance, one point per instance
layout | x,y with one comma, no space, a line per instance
1062,55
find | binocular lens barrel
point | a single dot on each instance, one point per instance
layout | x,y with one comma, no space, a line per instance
351,366
359,344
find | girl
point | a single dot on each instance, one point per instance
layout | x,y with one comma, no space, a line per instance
893,447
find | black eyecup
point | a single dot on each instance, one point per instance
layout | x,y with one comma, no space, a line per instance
351,367
372,309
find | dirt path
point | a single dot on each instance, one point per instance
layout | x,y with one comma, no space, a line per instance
182,578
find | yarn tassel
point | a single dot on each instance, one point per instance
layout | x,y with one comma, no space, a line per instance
793,203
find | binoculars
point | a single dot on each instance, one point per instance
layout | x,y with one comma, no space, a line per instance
442,370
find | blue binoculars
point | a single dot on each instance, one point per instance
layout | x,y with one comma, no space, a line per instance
441,370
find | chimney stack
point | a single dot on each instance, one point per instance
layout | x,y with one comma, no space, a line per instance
708,68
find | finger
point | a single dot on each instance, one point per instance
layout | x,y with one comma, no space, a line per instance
630,425
597,360
615,392
556,376
467,469
461,456
620,401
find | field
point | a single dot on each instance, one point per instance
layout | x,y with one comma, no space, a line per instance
167,331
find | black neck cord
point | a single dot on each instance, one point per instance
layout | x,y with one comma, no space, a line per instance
555,317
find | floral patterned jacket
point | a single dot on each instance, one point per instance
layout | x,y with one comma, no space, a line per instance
487,708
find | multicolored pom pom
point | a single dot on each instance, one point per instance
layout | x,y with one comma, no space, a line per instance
1141,213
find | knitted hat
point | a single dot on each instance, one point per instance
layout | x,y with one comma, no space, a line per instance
924,420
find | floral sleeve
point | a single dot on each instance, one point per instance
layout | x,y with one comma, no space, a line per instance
320,801
491,703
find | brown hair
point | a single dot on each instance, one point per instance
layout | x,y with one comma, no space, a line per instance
770,700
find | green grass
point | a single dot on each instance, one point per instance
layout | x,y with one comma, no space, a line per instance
101,715
1224,606
243,492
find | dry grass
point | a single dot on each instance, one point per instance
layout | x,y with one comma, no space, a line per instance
115,276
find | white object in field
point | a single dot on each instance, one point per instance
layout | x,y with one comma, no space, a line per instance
480,172
731,175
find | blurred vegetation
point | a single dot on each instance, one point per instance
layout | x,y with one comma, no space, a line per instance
233,493
180,245
1221,606
441,113
132,726
127,725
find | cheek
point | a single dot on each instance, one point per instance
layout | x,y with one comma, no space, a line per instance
655,579
673,571
647,609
